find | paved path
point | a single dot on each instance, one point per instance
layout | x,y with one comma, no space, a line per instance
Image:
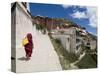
44,57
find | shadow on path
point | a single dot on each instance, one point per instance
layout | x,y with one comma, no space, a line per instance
23,59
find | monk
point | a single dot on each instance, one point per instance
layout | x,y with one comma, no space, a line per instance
28,47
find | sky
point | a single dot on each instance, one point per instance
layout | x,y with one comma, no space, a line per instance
81,15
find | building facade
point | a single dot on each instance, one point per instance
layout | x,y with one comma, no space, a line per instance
21,25
67,38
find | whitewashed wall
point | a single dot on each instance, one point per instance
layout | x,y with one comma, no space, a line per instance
93,44
68,39
23,26
13,42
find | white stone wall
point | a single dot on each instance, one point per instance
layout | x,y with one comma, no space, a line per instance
13,43
23,26
68,39
93,44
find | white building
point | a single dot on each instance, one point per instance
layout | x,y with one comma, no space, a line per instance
21,25
73,39
68,38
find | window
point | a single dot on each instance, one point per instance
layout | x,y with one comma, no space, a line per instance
68,39
88,43
77,40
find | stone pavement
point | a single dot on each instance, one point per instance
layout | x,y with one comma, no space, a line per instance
44,57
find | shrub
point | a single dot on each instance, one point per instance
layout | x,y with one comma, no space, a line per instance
42,28
87,62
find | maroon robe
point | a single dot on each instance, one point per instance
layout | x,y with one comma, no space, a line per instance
29,46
